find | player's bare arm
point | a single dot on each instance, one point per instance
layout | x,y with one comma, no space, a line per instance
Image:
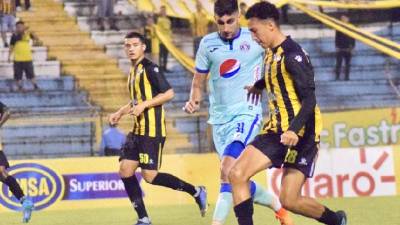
193,105
289,138
115,117
254,92
158,100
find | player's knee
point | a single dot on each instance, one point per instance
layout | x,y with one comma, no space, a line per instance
224,175
149,175
288,203
236,175
231,153
225,172
125,172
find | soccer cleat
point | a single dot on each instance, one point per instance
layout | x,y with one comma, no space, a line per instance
201,200
342,217
27,208
143,221
283,216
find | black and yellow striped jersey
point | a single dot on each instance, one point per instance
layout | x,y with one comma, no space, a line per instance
290,86
146,81
7,7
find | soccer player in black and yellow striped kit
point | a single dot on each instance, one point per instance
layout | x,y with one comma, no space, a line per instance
290,138
148,90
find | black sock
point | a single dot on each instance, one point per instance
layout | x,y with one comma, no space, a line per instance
329,217
134,192
168,180
244,212
14,187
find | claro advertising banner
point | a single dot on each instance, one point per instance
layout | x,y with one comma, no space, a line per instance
350,172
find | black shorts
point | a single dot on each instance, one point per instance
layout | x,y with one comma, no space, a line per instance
3,160
21,67
146,150
112,152
301,157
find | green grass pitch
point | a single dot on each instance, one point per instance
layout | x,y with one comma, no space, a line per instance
360,211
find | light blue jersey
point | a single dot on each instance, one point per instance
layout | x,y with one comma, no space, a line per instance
232,65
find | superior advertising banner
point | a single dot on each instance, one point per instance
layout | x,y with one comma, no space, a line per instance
94,182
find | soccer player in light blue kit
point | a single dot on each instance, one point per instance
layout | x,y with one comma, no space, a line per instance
233,61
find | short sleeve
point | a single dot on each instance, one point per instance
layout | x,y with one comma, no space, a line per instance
158,80
202,62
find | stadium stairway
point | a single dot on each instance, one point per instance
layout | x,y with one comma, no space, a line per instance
127,20
79,55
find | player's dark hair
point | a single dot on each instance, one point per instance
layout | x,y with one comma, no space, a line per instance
20,22
225,7
263,10
136,35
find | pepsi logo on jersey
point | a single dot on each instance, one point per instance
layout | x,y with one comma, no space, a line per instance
229,68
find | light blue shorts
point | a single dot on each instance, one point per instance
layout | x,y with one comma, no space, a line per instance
241,128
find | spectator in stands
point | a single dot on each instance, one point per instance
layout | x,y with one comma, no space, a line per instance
27,5
242,18
105,9
164,24
199,27
147,33
344,47
21,48
112,141
152,42
7,11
